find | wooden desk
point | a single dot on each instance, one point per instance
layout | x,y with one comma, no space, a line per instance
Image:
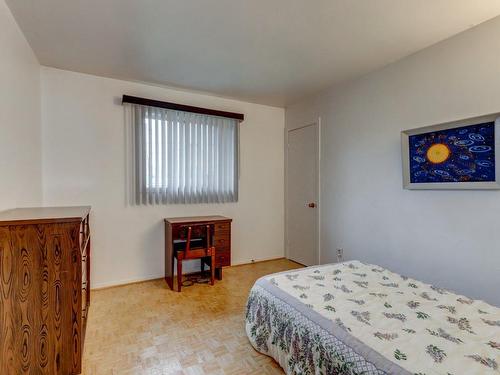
222,242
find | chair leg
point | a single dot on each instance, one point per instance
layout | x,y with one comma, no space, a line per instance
202,265
179,273
212,268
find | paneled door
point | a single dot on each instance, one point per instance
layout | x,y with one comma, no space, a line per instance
302,195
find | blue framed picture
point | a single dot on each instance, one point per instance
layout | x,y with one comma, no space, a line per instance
457,155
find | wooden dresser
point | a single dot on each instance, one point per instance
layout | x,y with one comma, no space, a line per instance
44,289
222,242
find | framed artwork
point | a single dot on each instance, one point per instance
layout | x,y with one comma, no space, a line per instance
455,155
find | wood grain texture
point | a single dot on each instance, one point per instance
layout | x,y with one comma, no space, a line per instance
148,329
40,298
7,284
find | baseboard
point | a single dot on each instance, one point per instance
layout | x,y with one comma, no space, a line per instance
113,284
251,261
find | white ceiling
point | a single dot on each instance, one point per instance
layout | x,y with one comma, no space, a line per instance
264,51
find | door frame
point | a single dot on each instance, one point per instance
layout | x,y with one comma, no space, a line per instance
318,184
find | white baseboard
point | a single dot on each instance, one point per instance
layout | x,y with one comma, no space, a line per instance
250,261
110,284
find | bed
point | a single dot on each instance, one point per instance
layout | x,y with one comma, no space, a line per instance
356,318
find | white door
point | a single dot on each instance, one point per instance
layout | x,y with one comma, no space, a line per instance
302,195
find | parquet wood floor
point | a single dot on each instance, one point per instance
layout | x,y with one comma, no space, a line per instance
146,328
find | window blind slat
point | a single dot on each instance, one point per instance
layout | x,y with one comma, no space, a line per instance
163,157
192,169
157,155
171,175
142,158
176,158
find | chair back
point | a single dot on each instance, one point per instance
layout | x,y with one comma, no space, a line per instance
198,237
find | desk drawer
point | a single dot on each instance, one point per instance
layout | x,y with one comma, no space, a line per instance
223,260
222,227
222,234
223,249
222,242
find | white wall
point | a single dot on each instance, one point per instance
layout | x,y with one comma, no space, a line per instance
20,163
450,238
84,163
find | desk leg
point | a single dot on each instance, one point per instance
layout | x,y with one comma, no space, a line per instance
179,272
212,268
218,273
169,274
169,257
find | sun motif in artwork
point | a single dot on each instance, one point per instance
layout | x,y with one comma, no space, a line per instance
438,153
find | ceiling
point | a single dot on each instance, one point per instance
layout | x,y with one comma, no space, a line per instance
264,51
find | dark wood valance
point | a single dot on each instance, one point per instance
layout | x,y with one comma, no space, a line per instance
181,107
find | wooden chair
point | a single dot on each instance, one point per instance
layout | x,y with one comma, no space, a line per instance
198,245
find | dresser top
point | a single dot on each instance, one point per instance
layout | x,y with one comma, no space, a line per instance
196,219
43,215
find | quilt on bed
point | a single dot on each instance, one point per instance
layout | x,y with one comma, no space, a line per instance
355,318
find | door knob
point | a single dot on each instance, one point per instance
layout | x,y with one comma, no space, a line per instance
312,205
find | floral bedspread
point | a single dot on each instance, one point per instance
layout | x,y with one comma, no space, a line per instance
353,318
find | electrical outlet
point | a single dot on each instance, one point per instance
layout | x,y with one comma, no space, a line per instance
340,255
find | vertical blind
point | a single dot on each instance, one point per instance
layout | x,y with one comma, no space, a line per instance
181,157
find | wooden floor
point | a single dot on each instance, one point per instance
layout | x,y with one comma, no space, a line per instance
147,329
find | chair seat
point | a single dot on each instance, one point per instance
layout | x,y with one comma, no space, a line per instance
195,253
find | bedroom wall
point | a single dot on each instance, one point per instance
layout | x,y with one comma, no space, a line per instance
84,163
450,238
20,139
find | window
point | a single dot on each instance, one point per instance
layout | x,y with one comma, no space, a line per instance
182,157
